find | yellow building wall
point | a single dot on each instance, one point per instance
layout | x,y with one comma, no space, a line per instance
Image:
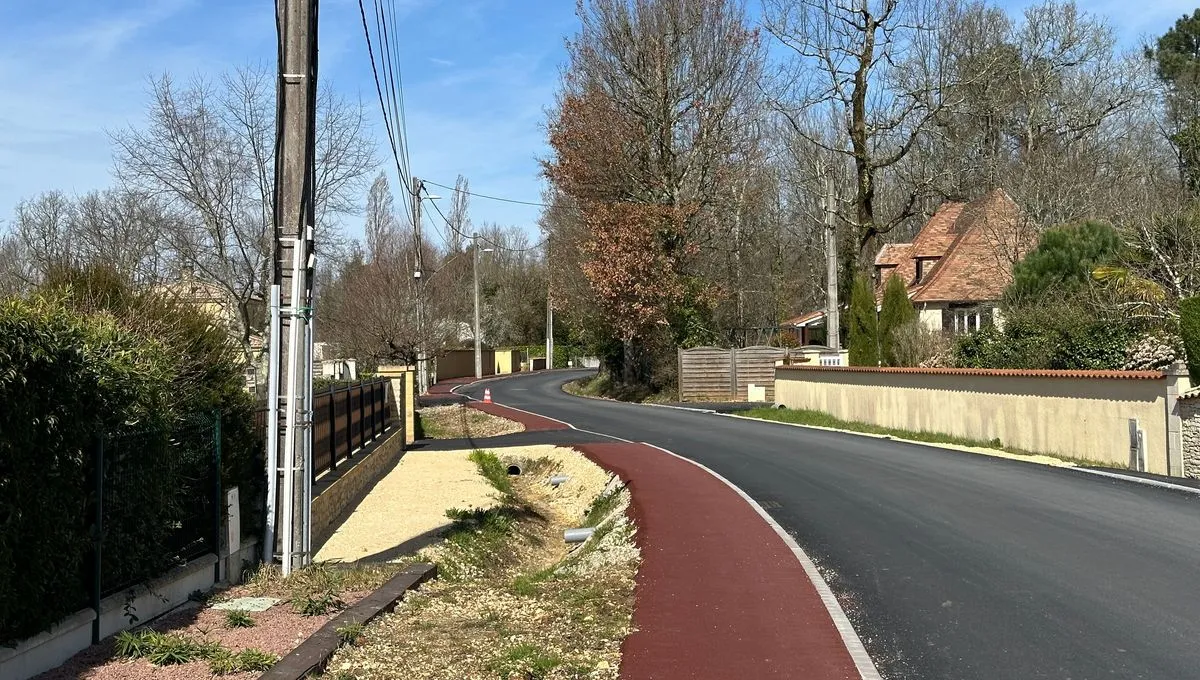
1086,418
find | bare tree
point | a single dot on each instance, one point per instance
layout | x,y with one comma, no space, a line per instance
876,66
381,228
208,152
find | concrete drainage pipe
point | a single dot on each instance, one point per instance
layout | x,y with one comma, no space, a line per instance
578,535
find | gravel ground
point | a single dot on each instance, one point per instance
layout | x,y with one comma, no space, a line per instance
278,630
537,609
408,506
459,421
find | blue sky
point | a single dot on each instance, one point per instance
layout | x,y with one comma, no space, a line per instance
479,75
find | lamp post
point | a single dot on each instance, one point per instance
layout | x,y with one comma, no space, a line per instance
475,276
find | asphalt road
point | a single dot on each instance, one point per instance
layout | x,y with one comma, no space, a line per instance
951,565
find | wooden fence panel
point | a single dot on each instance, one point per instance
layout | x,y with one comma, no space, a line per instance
756,366
717,374
705,374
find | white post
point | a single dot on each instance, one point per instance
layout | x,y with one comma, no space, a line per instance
832,313
272,427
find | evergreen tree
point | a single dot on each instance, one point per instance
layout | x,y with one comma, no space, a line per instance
897,311
1063,261
864,325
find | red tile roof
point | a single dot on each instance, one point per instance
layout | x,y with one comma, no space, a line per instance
939,232
993,372
804,318
971,248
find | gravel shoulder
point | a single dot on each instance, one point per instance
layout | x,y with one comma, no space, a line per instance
512,599
407,508
458,421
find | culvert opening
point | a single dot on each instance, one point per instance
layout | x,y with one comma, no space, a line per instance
514,470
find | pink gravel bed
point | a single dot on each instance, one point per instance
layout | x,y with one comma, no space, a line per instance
278,630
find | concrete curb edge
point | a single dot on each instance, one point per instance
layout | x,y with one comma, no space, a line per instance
316,651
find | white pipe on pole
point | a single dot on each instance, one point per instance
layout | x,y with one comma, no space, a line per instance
306,551
295,359
272,426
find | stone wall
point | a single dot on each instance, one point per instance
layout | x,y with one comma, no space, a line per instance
343,489
1189,410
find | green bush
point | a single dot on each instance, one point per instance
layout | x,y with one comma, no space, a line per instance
1189,328
63,381
1063,261
1065,335
85,358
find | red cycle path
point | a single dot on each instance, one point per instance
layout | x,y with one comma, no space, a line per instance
720,596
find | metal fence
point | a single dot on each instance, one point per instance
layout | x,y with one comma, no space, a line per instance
345,419
156,503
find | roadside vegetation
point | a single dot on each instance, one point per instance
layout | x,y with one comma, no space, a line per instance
820,419
512,600
457,421
602,386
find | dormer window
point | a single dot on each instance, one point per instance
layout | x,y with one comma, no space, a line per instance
924,266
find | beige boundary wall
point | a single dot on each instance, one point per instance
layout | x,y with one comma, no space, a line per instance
460,363
1078,414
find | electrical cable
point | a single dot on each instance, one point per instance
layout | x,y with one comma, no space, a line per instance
484,196
383,106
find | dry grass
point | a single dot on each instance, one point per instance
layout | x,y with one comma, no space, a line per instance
513,600
458,421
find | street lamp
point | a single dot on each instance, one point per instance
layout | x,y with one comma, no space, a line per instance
475,276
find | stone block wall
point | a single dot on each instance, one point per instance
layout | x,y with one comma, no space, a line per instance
348,485
1189,411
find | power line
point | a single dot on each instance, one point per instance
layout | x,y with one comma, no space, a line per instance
387,123
490,198
483,237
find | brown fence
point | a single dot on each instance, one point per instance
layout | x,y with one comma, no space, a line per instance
345,419
717,374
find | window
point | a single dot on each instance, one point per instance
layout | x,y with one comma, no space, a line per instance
924,266
965,319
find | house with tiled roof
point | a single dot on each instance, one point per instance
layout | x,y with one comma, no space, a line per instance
957,267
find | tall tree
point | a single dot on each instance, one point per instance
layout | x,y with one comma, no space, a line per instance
896,312
655,109
864,324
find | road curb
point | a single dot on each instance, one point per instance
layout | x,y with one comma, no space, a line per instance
314,653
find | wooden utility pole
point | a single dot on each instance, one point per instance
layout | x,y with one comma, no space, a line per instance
292,276
418,273
832,315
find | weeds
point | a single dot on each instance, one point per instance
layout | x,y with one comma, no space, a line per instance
494,471
237,618
349,633
248,660
162,649
317,604
526,662
602,507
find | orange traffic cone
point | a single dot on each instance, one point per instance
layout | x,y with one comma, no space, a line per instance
487,395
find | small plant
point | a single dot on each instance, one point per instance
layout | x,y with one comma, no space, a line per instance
225,662
493,470
255,660
237,618
134,644
172,650
526,662
350,633
317,604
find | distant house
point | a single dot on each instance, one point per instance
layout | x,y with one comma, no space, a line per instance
956,268
958,265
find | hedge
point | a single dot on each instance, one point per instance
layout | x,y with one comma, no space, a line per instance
74,368
1189,328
